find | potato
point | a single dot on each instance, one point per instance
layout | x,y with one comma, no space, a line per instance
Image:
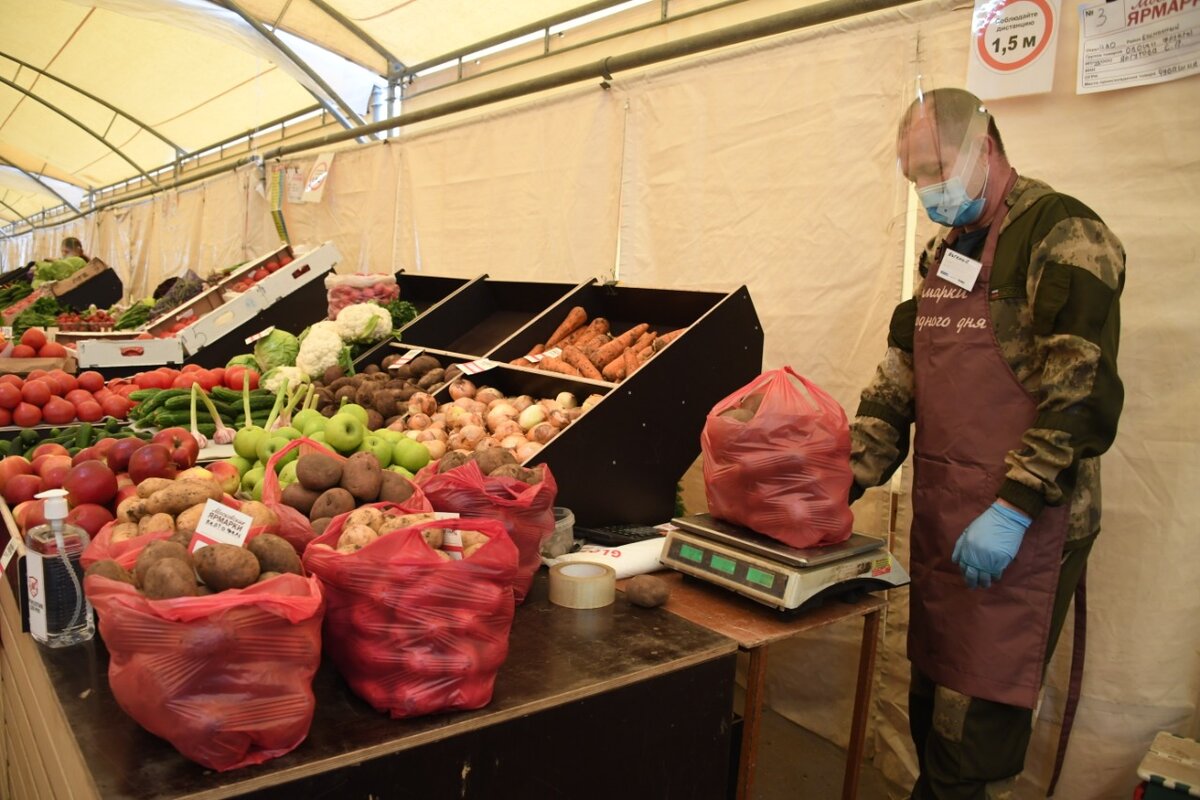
365,395
331,503
274,554
374,419
647,591
355,537
452,460
203,591
493,458
111,570
262,516
182,495
394,520
318,472
299,498
471,550
443,555
371,517
169,578
156,523
739,414
523,474
225,566
362,477
332,374
123,531
394,487
186,520
155,552
182,538
434,537
266,576
319,525
474,539
152,485
431,379
131,509
422,364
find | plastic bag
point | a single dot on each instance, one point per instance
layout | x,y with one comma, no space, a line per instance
294,526
410,632
225,678
784,471
346,290
525,509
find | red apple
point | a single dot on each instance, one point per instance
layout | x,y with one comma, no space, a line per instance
43,463
151,461
54,476
119,453
183,446
13,465
227,475
104,445
30,514
90,517
50,449
86,454
21,488
129,490
90,482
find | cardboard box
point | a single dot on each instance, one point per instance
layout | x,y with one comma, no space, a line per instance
122,350
93,268
23,366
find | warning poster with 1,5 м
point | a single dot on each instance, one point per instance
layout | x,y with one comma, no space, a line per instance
1125,43
1013,45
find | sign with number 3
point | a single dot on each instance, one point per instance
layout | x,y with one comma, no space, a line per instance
1012,47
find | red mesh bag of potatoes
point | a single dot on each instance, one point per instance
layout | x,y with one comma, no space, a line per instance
410,630
525,509
109,543
226,678
777,460
294,525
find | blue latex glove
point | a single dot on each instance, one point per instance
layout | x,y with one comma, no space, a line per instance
989,544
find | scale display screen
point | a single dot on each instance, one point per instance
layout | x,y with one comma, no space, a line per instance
729,567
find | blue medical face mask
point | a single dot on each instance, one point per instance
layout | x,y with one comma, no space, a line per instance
949,204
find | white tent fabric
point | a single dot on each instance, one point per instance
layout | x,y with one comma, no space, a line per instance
772,165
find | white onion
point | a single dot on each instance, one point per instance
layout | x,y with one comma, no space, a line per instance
426,436
521,403
532,415
412,434
527,451
509,427
436,449
418,422
487,394
486,443
513,442
542,433
566,400
471,434
500,413
462,388
558,418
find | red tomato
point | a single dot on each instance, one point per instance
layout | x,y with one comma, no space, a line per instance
23,351
27,415
36,393
58,411
36,374
184,381
52,350
89,411
115,406
10,396
191,368
91,380
220,373
34,337
79,396
15,380
5,416
125,391
206,379
233,378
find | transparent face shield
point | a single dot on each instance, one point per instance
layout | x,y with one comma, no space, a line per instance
942,149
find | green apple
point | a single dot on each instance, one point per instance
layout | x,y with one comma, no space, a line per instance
401,471
389,434
287,475
410,454
256,492
358,411
381,447
318,436
308,421
245,442
273,445
344,432
288,432
241,464
253,476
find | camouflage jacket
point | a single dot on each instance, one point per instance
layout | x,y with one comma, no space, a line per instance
1055,291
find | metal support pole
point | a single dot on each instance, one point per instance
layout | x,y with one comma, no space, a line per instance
40,182
393,64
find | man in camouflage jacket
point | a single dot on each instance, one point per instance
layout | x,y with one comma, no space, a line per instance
1053,297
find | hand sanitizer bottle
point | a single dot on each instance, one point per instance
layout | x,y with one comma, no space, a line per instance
59,615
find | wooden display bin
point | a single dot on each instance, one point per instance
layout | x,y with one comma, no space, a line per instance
621,461
426,292
96,284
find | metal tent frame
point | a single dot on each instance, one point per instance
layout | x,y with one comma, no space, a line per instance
38,180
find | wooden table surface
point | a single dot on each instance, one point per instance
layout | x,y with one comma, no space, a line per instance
556,656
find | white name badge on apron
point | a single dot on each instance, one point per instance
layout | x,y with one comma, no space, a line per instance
959,270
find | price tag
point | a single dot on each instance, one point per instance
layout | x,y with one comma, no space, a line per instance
9,551
261,334
220,524
553,352
6,331
959,270
404,359
477,366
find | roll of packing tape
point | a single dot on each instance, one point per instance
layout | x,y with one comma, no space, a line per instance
582,584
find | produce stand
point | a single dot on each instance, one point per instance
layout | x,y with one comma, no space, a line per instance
657,686
637,442
425,292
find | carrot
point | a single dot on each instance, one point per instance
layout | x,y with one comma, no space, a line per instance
537,350
592,348
667,338
575,320
614,371
596,327
631,363
551,364
573,356
619,344
645,340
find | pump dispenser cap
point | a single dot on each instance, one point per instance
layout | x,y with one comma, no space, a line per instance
55,506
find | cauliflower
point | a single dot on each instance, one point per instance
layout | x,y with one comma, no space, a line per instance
364,322
320,349
273,380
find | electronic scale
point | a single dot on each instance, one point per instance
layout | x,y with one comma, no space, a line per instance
772,573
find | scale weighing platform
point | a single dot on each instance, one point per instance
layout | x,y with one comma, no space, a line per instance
772,573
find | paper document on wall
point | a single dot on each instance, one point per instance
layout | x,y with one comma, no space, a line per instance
1127,43
318,178
1012,47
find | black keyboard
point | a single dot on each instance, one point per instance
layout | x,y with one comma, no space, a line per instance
617,535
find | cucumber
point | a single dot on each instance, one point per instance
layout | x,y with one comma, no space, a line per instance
83,436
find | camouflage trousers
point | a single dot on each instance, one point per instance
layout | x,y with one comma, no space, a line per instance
974,749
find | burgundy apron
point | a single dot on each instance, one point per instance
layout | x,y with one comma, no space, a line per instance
970,411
